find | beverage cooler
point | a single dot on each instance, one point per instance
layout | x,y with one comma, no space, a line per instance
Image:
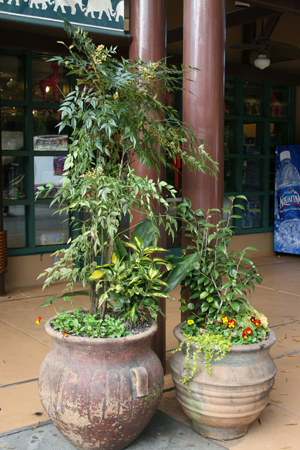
287,199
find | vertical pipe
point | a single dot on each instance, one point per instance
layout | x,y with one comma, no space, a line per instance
148,31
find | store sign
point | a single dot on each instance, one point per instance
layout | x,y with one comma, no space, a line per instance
102,16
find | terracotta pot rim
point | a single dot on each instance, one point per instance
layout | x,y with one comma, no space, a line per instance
237,348
85,340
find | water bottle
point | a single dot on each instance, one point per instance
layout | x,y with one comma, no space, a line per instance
288,192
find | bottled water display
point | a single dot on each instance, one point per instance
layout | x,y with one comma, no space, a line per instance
287,200
288,189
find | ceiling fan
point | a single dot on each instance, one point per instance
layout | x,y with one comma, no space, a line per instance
265,48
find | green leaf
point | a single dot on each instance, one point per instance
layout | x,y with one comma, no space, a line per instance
179,272
235,306
203,295
50,300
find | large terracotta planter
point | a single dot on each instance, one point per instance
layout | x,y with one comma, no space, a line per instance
222,405
101,393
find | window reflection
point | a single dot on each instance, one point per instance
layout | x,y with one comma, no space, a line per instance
49,80
12,77
48,169
12,128
14,224
14,177
50,228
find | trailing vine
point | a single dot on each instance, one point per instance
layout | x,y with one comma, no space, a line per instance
213,346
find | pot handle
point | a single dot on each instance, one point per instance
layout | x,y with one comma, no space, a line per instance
139,376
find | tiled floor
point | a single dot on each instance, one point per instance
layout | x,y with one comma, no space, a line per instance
23,346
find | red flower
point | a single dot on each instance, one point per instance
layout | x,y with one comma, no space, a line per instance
252,319
219,323
231,323
248,330
64,333
224,319
257,323
245,335
38,320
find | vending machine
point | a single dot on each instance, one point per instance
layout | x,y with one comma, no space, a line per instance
287,199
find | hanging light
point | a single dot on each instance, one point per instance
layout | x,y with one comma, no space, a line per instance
262,62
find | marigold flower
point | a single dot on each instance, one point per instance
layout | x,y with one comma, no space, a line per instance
231,323
257,323
38,320
224,319
248,330
190,322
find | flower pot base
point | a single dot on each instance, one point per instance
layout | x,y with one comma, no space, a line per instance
221,434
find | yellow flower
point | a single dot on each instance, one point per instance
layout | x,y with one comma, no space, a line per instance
190,322
115,96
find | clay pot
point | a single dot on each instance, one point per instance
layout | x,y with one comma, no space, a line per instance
222,405
101,393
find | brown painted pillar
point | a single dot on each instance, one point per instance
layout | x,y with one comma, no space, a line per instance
204,48
148,30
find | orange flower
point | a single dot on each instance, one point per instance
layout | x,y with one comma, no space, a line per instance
64,333
231,323
38,320
257,323
248,330
224,319
245,336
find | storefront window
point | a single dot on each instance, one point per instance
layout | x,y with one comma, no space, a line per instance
49,81
12,77
230,137
50,228
33,153
253,98
12,128
252,175
14,177
251,136
280,101
230,105
252,214
14,223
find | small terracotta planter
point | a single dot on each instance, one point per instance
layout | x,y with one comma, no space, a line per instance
222,405
101,393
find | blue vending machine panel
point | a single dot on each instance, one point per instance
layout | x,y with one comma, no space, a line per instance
287,199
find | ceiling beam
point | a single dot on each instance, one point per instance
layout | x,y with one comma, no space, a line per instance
175,35
233,19
283,6
247,15
270,25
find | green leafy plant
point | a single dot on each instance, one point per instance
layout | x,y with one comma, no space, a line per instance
115,117
80,323
218,281
135,282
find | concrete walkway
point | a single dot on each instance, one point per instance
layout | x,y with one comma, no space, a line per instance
23,345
